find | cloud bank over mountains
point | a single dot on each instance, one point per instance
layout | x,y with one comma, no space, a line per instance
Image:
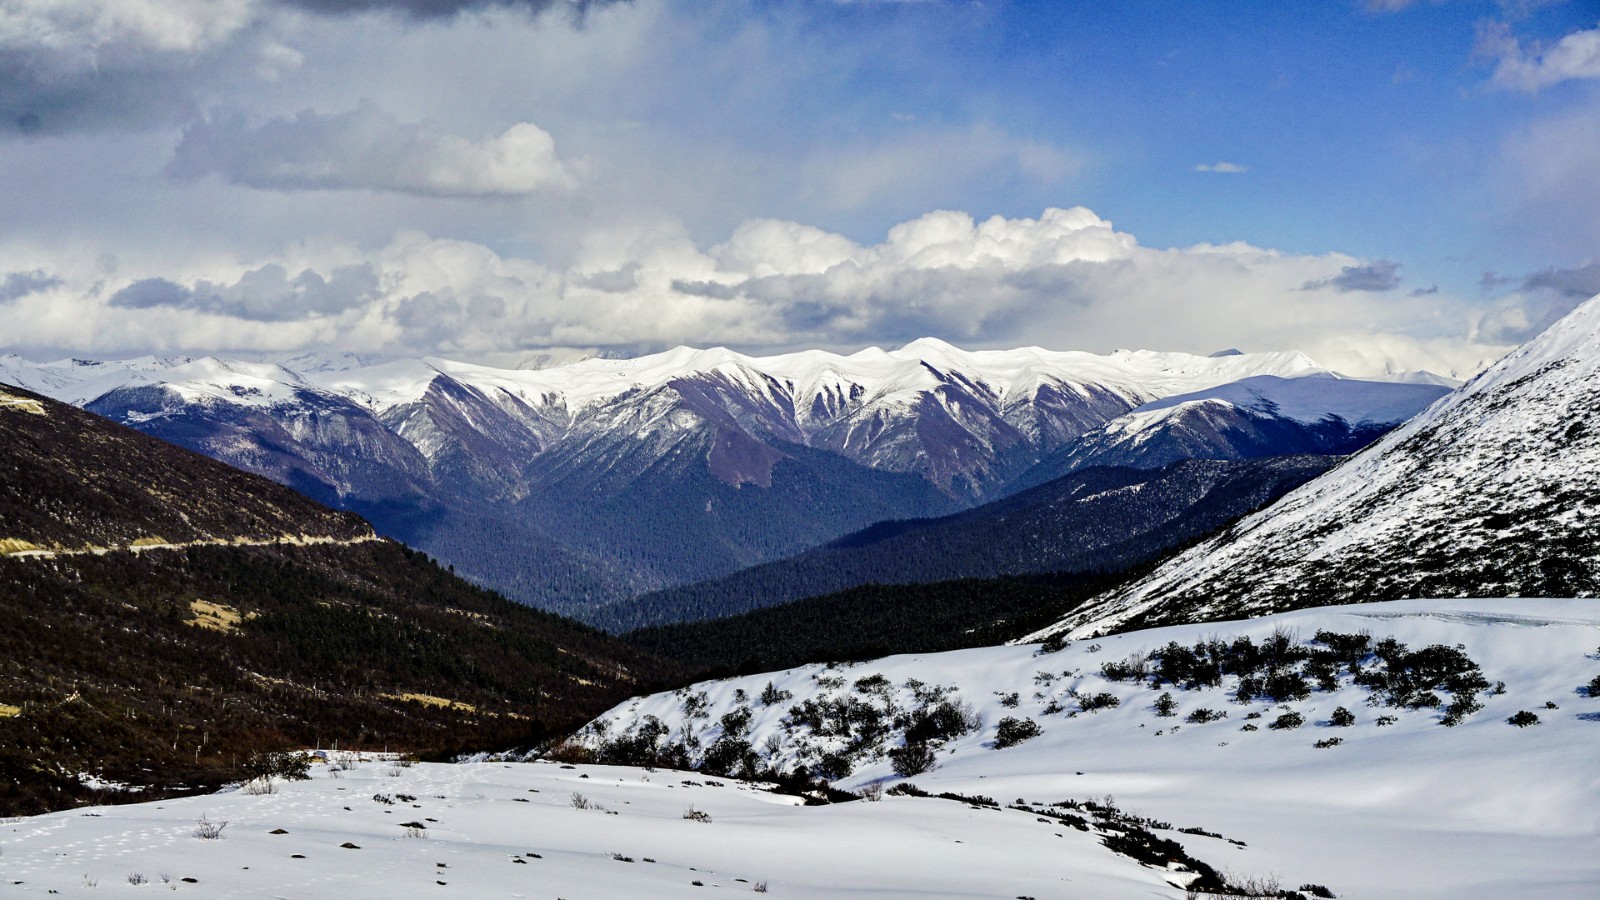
1067,278
490,179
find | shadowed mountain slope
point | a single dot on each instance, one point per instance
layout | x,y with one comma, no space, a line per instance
166,616
1103,519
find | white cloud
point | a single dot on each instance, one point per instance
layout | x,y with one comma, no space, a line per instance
1221,166
369,149
1576,56
1066,279
84,34
75,64
1548,183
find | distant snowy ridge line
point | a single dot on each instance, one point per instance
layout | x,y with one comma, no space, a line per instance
735,460
595,380
966,421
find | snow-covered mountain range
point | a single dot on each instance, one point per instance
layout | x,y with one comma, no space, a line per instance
585,483
928,407
1492,491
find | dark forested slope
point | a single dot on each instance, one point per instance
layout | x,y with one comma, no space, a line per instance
274,622
1104,519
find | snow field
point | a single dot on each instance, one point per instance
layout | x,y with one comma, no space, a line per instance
1411,809
484,819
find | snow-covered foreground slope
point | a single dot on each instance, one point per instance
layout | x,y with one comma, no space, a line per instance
493,830
1410,808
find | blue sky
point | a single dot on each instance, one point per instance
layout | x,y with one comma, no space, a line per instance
488,179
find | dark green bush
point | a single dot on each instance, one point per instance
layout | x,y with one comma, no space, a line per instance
1287,721
941,721
285,764
1166,707
834,766
1283,686
1011,732
1097,702
731,756
911,759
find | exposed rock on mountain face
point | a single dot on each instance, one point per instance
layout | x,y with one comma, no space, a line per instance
1493,491
580,485
1259,416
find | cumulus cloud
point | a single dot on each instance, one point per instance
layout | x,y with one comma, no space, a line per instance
265,294
1534,67
1222,166
1579,283
1380,275
20,284
74,65
369,149
86,33
1066,279
1539,300
71,63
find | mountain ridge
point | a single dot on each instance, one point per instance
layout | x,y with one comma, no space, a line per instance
531,481
169,617
1490,492
1093,521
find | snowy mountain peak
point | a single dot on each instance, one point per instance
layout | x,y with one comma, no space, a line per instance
1309,398
1491,491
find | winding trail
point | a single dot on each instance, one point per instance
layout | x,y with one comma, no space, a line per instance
302,540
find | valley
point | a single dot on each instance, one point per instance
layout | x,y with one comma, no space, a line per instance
625,477
837,449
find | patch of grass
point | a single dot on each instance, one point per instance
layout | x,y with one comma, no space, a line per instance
431,700
215,616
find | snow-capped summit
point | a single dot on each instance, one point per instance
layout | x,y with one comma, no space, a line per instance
1262,415
928,407
1492,491
731,459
